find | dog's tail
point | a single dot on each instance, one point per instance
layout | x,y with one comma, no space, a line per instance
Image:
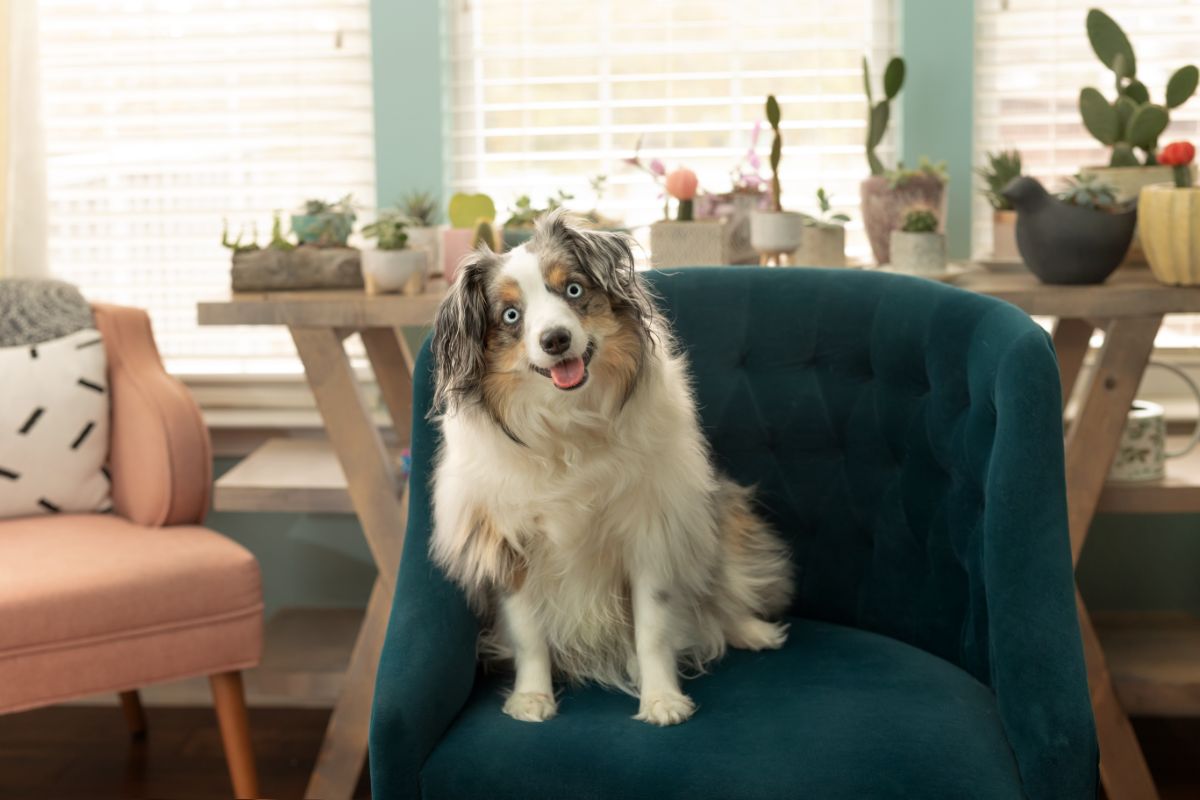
757,572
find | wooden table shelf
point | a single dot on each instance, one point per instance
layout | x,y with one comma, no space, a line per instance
1154,660
297,475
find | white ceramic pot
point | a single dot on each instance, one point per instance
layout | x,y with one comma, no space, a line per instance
821,246
918,253
395,270
776,232
700,243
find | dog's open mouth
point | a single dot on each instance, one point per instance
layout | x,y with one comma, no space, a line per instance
570,373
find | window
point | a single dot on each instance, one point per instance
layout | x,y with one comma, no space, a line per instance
541,101
164,116
1033,57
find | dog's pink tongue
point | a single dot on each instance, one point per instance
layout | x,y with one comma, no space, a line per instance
567,374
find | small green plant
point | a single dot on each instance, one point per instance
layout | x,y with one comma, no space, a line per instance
878,114
1131,122
522,213
599,185
1088,191
344,206
1002,167
825,219
465,210
278,239
773,119
925,168
388,229
235,245
420,209
920,220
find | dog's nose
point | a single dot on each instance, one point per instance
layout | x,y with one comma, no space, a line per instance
556,341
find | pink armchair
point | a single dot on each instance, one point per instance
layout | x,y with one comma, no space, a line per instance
112,602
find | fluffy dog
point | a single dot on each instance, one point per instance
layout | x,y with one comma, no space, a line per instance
574,497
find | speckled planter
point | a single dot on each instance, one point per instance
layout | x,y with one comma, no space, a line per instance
918,253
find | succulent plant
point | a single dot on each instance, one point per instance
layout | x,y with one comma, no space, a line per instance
1088,191
522,213
278,239
925,168
343,206
1131,122
236,245
421,209
878,114
920,220
773,118
388,229
825,219
1002,167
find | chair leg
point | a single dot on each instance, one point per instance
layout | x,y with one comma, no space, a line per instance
135,716
230,702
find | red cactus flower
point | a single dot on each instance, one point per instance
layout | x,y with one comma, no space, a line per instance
682,184
1177,154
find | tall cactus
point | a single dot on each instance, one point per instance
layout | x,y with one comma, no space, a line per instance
878,114
1131,122
773,117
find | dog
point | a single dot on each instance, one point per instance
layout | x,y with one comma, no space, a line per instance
575,499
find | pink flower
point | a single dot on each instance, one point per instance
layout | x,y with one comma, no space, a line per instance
682,184
657,167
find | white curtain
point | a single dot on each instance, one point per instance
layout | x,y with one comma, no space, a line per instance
25,178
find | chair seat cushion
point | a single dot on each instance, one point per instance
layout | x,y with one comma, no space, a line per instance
858,715
97,603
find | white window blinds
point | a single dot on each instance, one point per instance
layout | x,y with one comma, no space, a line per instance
164,116
543,97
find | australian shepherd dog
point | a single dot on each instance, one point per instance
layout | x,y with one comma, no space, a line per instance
575,498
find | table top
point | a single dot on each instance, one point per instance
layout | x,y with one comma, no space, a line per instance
343,308
1130,292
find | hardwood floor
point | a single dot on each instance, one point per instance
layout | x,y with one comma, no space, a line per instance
85,753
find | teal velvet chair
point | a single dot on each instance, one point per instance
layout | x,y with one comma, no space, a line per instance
906,438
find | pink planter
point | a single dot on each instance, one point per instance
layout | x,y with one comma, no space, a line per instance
456,244
883,208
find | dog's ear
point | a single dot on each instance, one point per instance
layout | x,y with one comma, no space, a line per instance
606,257
459,330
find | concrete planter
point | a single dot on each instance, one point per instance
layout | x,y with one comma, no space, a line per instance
700,243
918,253
1169,217
401,271
1004,236
773,232
821,246
305,267
884,207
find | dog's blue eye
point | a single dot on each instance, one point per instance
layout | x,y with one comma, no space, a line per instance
574,290
511,315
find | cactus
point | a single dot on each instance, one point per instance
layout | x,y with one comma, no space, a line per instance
485,234
878,114
920,220
1003,166
773,117
235,245
278,239
1088,191
465,210
1131,122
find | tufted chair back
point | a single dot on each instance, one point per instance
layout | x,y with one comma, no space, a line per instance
870,411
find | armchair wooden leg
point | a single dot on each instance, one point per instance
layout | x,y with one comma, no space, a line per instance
230,702
135,716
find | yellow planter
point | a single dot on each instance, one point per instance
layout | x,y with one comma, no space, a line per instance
1169,226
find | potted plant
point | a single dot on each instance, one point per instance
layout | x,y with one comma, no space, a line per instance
1002,168
522,215
1166,219
323,223
1079,237
888,193
421,218
465,212
918,247
686,241
281,265
775,233
1130,125
392,266
823,242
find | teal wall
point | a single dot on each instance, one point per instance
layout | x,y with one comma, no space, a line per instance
937,40
1130,562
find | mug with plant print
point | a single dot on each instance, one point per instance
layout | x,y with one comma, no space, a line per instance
1143,453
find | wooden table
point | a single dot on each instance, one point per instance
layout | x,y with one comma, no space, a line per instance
1129,308
319,323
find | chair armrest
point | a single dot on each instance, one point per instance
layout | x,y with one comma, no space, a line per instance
1036,662
159,455
427,668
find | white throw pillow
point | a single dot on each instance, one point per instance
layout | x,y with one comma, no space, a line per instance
54,426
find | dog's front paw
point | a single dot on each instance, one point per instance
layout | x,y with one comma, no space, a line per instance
530,706
665,708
